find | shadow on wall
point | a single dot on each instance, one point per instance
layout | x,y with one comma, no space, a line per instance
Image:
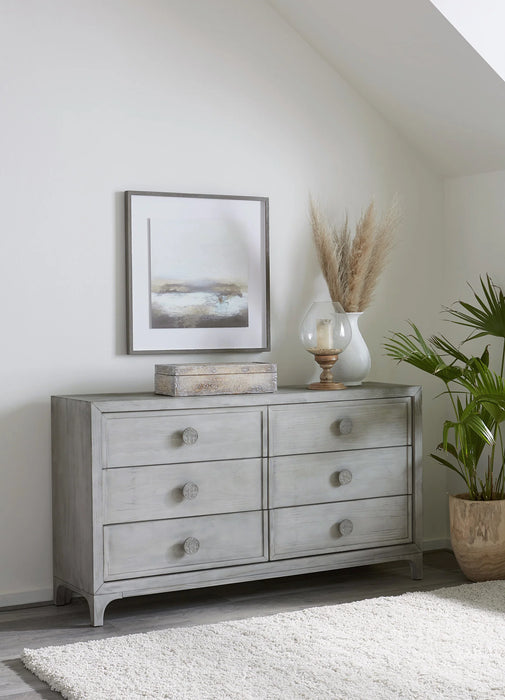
26,444
120,274
26,479
287,313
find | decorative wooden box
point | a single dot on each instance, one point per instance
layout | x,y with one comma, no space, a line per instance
214,379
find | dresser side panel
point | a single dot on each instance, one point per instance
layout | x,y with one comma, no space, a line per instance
417,469
72,493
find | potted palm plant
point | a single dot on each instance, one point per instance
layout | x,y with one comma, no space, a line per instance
472,442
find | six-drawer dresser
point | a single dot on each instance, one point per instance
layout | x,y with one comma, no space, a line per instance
154,493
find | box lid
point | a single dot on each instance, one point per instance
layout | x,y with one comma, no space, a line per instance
197,369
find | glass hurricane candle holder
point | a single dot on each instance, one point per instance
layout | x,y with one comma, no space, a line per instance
325,332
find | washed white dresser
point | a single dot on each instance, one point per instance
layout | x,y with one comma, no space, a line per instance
154,493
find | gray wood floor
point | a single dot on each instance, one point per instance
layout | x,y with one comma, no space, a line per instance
46,625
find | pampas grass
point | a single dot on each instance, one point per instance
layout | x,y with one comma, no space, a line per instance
351,265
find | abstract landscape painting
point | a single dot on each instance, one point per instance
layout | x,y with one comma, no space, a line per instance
197,272
199,275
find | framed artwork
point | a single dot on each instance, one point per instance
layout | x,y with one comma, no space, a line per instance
197,273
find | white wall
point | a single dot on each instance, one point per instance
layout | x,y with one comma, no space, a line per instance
475,236
218,97
475,230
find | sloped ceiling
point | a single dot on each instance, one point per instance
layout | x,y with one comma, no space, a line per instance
409,62
481,23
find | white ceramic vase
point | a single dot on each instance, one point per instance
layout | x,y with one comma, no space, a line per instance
354,363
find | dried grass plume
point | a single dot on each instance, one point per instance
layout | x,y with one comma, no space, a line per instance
351,265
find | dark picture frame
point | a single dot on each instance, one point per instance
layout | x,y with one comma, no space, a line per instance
197,273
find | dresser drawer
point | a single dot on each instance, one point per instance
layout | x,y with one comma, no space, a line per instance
181,490
332,527
296,480
339,426
167,546
132,439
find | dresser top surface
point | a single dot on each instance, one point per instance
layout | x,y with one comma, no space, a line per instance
284,395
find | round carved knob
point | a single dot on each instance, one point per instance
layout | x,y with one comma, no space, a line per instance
345,527
344,477
190,490
189,436
191,545
345,426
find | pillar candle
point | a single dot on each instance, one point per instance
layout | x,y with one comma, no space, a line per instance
324,331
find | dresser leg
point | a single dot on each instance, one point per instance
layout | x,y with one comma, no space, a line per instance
61,594
416,566
97,605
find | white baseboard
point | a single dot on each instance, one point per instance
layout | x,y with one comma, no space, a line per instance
441,543
41,595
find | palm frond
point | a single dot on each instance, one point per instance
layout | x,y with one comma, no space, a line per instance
416,351
447,348
487,317
447,464
476,391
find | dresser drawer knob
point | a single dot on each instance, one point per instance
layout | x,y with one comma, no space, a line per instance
190,490
344,477
189,436
191,545
345,527
344,426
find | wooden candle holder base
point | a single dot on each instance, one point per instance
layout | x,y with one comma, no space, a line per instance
326,382
326,386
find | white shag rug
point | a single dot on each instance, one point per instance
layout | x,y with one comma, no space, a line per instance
447,644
